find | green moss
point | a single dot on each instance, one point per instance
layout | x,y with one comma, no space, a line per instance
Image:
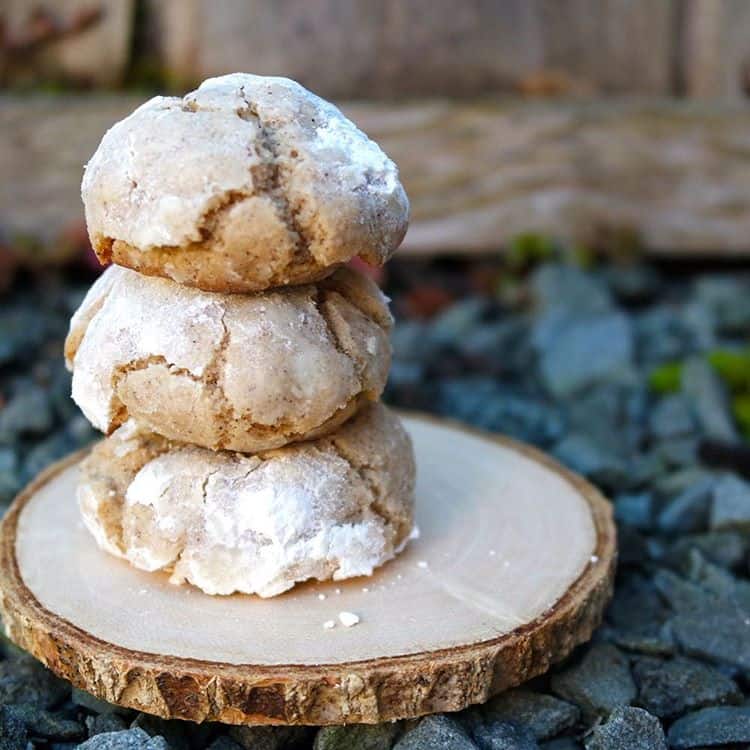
529,248
582,256
666,378
741,411
734,368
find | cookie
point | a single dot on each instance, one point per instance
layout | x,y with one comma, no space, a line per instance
228,371
333,508
247,183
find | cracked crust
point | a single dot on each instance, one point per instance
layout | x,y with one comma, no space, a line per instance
222,371
247,183
334,508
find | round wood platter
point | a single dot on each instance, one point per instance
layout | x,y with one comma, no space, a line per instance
511,570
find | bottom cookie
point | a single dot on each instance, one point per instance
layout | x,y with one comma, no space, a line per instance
226,522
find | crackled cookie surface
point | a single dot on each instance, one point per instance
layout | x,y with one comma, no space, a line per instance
334,508
240,372
246,183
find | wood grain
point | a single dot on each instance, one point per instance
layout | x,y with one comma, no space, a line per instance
337,691
97,54
425,47
477,173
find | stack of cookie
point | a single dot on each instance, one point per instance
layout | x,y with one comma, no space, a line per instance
234,358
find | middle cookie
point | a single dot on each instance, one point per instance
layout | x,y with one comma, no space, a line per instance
238,372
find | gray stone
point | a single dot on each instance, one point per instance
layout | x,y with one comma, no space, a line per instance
10,474
503,735
561,743
175,733
224,743
633,283
437,732
671,417
411,342
668,688
635,509
13,734
689,511
29,412
728,299
678,480
721,636
590,458
608,414
730,508
719,725
637,607
457,321
129,739
544,715
49,450
705,391
678,451
626,729
587,351
22,332
599,683
660,644
269,738
43,724
634,548
405,374
107,722
711,577
660,335
681,595
498,341
25,680
556,285
357,737
92,703
726,548
483,403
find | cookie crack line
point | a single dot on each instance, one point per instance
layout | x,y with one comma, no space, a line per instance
319,298
361,469
216,367
267,176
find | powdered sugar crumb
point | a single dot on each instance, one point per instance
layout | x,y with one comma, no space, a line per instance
348,619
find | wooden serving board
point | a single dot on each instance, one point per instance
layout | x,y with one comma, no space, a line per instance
512,569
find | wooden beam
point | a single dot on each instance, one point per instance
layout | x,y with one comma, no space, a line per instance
477,172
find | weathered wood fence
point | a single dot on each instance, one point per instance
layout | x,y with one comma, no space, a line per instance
580,118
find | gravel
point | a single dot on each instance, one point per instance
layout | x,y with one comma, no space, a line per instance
599,683
670,687
543,715
626,729
617,372
719,725
436,733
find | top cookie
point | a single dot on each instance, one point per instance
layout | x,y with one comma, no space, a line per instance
247,183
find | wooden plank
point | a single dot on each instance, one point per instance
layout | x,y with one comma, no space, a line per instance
77,40
611,45
715,48
361,49
477,173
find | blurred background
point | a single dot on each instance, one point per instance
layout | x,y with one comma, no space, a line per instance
579,172
576,273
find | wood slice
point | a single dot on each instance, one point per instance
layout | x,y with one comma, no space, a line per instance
512,569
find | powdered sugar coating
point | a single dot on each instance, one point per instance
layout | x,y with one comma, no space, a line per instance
242,372
333,508
246,183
